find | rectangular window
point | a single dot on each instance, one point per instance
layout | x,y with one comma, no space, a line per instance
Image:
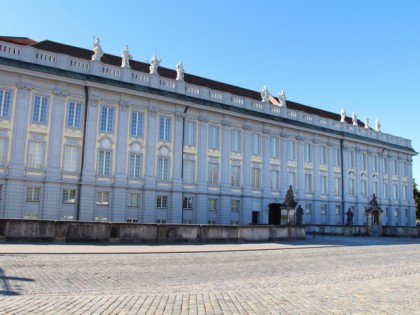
323,184
375,188
385,193
102,198
33,193
404,192
308,183
104,163
308,208
163,169
364,187
308,153
395,191
187,203
351,159
135,165
323,209
394,167
39,114
404,169
235,205
211,222
236,141
71,159
256,178
213,174
337,209
274,180
275,144
69,196
291,150
375,163
36,155
337,185
256,144
189,133
165,128
74,115
189,167
4,103
133,199
137,124
385,165
323,156
132,220
364,161
236,172
3,153
162,201
212,204
337,157
107,117
292,179
214,137
351,186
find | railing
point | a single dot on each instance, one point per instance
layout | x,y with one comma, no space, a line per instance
62,61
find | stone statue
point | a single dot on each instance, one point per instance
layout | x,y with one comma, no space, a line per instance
349,215
265,95
299,214
377,124
154,64
97,49
282,99
125,57
343,115
373,201
366,121
354,119
290,198
179,71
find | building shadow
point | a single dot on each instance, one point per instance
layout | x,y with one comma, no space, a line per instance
6,288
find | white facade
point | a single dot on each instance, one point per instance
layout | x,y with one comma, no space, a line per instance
82,139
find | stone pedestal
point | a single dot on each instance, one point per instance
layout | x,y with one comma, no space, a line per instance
287,216
374,221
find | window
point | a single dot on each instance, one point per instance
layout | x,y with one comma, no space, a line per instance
133,199
337,157
102,198
71,159
292,179
163,168
214,137
394,167
189,167
308,208
187,203
308,152
235,179
385,190
323,156
337,209
291,150
395,191
4,103
274,180
351,186
256,144
323,209
36,155
375,163
274,147
211,222
351,159
308,183
323,184
212,204
337,185
235,205
364,161
3,147
132,220
160,221
404,192
33,193
69,195
375,188
74,115
404,169
104,163
135,165
256,178
385,165
236,141
364,187
39,114
213,174
162,201
107,119
189,133
137,124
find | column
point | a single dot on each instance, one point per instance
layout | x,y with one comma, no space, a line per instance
202,203
90,146
284,183
121,146
150,154
224,210
266,177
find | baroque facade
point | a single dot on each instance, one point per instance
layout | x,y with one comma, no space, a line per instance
89,136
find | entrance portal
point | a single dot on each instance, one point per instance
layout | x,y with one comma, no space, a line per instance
274,214
255,217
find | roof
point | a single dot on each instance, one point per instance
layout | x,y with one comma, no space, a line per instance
86,54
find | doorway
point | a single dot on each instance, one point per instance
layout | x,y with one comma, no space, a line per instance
255,217
274,214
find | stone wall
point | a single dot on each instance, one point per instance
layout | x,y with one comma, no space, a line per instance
72,231
362,230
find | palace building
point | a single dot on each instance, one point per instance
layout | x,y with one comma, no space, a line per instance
85,135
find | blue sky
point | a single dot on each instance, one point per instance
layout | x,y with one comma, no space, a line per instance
363,55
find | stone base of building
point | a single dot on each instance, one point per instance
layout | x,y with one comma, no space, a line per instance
362,230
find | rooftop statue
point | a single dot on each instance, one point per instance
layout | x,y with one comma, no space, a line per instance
366,121
126,57
179,71
354,119
154,64
282,99
265,95
97,49
343,115
377,124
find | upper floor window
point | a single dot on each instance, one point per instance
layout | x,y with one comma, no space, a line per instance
189,167
162,201
375,163
308,183
324,183
323,152
274,180
3,148
394,167
104,163
163,168
133,199
69,196
351,159
71,159
256,178
189,133
308,152
165,128
134,169
291,150
74,115
213,174
337,157
385,165
36,155
236,175
214,137
187,203
136,124
107,117
274,145
33,193
256,144
102,198
404,169
4,103
39,114
236,141
364,161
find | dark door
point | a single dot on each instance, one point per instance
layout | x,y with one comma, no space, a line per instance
255,217
274,214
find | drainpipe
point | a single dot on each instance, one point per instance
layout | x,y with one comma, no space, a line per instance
342,177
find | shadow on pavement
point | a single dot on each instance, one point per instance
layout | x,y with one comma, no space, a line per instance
9,289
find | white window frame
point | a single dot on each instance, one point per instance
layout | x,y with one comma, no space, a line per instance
133,199
69,196
213,173
135,165
236,137
165,127
256,178
163,173
188,203
74,114
107,119
5,101
212,204
36,155
33,193
189,171
274,176
235,176
104,166
162,201
235,205
189,133
136,126
71,159
214,142
102,198
256,144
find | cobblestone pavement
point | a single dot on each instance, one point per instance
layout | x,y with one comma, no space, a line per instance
358,278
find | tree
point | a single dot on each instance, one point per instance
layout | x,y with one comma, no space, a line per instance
416,194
